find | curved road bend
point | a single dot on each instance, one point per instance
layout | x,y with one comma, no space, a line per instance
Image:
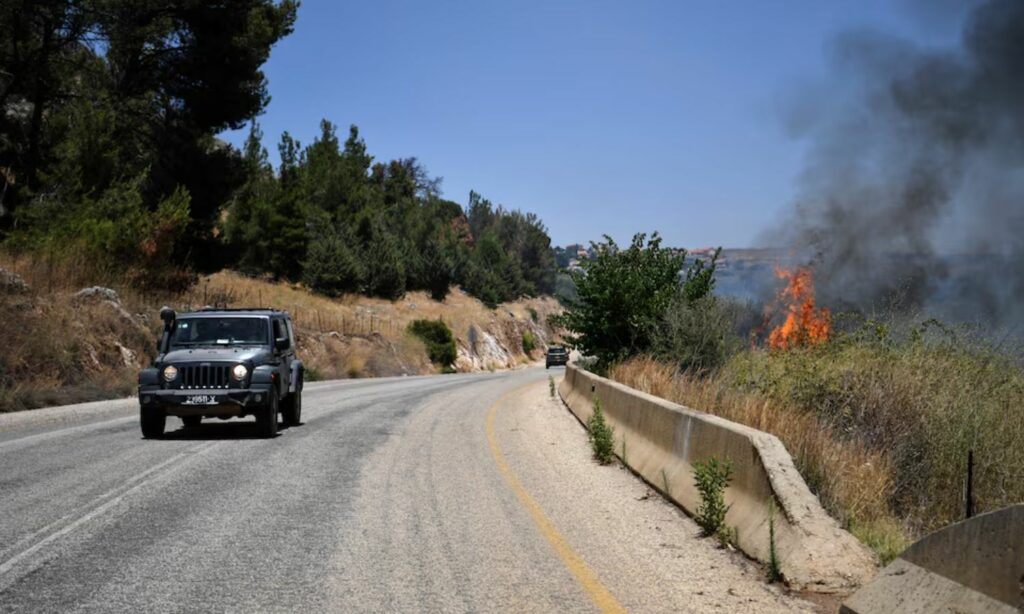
462,493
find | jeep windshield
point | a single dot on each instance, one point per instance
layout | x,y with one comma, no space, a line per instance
219,331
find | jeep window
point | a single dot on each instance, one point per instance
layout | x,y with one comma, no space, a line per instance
219,331
278,333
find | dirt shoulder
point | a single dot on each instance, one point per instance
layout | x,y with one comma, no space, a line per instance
646,551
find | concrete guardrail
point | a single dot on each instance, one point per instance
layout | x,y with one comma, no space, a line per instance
972,566
660,440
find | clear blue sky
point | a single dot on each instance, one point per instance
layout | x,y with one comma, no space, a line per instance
601,117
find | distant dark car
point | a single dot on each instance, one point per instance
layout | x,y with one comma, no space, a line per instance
223,363
557,356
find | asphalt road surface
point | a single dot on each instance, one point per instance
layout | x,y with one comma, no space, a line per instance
460,493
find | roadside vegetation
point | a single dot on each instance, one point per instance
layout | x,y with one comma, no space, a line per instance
601,435
438,339
64,348
112,174
111,168
878,416
712,477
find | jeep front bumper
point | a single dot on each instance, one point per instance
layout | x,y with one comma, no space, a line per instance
214,402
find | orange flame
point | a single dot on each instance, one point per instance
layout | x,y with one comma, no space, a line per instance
805,323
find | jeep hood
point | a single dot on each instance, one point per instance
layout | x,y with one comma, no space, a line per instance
221,354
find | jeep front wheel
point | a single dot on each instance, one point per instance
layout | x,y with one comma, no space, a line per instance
292,411
152,421
266,419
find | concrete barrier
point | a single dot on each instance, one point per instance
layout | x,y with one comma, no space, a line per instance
972,566
660,440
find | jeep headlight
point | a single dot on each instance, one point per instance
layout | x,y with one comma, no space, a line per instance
170,373
239,372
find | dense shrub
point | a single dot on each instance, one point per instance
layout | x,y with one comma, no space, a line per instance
438,338
698,335
110,236
624,296
621,296
529,342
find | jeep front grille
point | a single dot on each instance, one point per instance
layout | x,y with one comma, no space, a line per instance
204,376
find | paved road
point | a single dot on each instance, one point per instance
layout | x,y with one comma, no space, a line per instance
450,493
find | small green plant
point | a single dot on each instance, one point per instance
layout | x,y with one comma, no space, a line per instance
774,565
623,455
310,374
551,386
711,477
438,338
533,314
529,342
602,436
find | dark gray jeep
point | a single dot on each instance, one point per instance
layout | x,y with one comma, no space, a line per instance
223,363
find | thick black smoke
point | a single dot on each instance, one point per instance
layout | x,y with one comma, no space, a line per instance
913,193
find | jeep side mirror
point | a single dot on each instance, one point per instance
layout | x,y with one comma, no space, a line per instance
281,343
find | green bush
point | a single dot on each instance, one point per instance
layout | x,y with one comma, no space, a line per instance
711,477
623,296
438,338
697,335
529,342
533,314
113,233
601,435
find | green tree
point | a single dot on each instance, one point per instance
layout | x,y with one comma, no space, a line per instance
621,296
153,80
287,232
332,267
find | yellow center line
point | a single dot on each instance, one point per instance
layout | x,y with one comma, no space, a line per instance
597,592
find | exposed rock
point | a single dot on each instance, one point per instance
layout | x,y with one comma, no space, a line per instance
98,293
127,356
12,283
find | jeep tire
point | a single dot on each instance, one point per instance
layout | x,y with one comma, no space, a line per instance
192,422
152,420
292,410
266,419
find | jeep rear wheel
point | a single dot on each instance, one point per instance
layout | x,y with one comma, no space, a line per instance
292,410
266,419
152,421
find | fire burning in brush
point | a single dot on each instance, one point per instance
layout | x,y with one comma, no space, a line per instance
805,323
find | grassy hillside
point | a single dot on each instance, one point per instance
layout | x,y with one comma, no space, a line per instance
63,345
879,428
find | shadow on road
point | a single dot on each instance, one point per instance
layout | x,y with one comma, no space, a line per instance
212,431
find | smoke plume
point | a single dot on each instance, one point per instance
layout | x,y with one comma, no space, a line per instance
913,193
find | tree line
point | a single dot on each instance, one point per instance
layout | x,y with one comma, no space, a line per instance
109,116
333,218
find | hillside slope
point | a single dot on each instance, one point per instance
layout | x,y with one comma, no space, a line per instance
67,344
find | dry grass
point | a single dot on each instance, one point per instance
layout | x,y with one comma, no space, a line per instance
355,316
59,350
850,479
879,426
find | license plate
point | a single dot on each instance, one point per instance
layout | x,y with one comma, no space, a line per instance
201,399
